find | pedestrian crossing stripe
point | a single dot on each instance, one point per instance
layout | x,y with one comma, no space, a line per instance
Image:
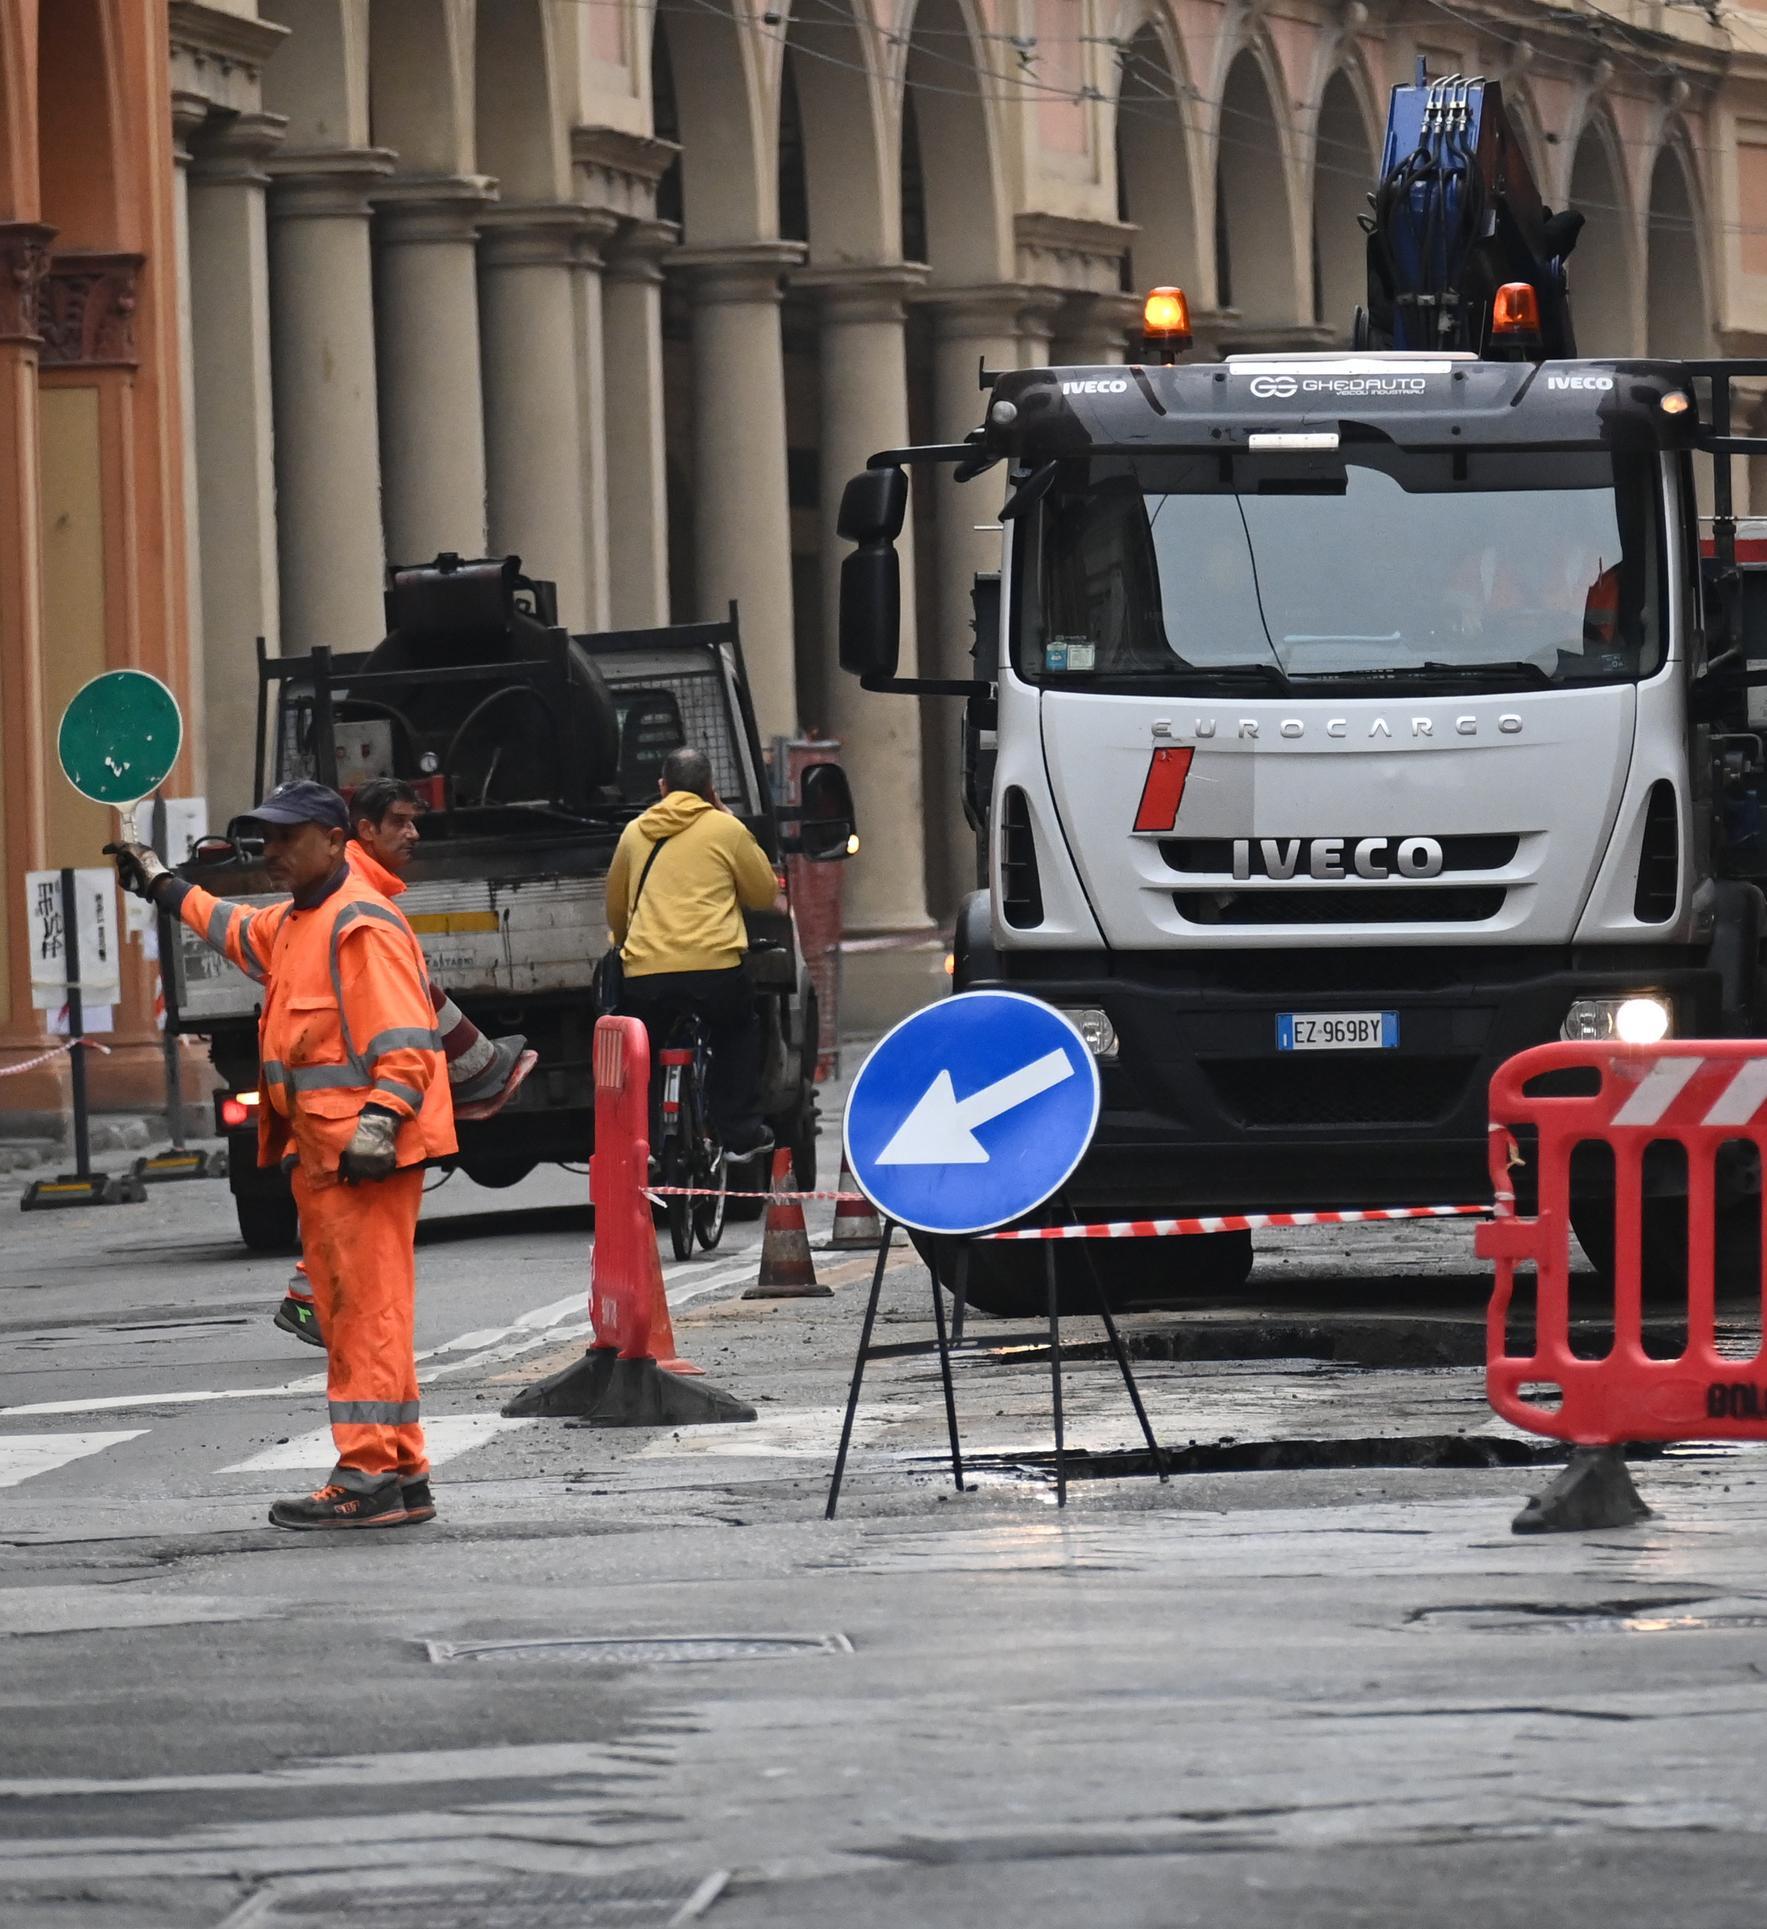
446,1438
25,1455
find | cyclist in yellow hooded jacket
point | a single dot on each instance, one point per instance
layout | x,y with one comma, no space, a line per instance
682,876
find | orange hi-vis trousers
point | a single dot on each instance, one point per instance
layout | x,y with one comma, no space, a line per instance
360,1254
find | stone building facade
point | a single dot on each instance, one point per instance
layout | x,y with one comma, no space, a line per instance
630,289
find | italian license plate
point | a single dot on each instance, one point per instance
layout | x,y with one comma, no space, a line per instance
1337,1031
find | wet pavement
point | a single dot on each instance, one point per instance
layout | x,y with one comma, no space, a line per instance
635,1677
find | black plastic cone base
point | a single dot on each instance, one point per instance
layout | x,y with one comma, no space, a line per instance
574,1391
1595,1490
639,1393
602,1390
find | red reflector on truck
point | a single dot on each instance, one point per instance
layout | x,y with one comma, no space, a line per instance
1164,790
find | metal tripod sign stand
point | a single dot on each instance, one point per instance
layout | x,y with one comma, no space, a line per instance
968,1115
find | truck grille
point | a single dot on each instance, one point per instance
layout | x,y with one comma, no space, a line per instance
1213,856
1365,904
1306,1091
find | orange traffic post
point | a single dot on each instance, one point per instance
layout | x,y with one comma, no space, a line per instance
857,1227
630,1376
787,1270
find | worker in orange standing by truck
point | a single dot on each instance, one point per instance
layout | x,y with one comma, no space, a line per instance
355,1100
483,1073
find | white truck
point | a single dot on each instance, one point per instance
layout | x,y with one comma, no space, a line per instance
1345,723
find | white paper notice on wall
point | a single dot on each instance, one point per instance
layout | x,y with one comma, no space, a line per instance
95,906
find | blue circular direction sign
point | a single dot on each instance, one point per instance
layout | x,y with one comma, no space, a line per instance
971,1112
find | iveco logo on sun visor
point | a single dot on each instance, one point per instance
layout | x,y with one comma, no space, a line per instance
1117,385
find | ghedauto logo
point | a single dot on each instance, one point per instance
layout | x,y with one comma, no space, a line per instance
1280,388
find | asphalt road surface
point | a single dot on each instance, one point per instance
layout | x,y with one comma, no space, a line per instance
634,1677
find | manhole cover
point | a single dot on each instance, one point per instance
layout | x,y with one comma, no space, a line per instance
642,1650
634,1901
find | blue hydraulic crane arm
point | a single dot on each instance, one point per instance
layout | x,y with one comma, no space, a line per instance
1456,216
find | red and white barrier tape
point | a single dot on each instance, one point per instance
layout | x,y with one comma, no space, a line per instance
718,1192
1237,1222
1121,1228
55,1051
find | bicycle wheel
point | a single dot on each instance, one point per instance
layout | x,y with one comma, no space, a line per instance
678,1171
708,1214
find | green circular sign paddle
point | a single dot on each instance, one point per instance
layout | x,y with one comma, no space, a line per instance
120,737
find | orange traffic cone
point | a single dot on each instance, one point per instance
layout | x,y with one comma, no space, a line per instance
856,1224
787,1270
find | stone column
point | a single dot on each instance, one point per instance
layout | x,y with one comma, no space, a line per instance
597,483
328,522
534,464
25,756
189,111
1038,310
632,342
865,408
233,444
432,419
1093,331
741,522
971,326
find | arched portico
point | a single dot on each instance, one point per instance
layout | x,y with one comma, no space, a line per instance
1254,226
1344,170
1155,184
1605,293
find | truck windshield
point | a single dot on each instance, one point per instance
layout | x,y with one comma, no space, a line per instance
1473,570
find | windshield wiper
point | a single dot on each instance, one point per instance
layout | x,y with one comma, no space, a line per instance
1531,672
1272,676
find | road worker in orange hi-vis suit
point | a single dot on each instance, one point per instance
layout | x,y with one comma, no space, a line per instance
355,1100
483,1073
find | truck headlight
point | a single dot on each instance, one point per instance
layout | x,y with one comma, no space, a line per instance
1642,1019
1095,1027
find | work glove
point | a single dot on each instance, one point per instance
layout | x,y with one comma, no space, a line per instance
139,868
371,1153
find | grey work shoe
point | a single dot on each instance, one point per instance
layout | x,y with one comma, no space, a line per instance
335,1506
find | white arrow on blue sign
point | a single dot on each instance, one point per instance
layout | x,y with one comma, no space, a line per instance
971,1112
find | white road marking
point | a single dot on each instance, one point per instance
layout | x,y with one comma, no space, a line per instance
559,1319
25,1455
447,1438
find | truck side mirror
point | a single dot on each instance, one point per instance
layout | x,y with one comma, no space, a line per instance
826,821
873,507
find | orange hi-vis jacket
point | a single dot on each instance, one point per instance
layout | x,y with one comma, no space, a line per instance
347,1021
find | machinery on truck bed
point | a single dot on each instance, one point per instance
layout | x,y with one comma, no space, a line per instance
532,749
1342,724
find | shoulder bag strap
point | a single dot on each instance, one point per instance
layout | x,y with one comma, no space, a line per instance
656,851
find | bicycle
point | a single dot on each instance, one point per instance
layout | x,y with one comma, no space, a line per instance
685,1141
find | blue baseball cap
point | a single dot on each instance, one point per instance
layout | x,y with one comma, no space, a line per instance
302,802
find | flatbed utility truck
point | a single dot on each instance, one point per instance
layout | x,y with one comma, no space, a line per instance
532,749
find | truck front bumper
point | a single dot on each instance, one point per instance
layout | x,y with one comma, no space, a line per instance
1203,1113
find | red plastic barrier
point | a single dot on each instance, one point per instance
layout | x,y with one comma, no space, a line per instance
627,1304
1695,1094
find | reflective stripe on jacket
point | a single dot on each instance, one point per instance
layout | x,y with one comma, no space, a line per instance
347,1021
